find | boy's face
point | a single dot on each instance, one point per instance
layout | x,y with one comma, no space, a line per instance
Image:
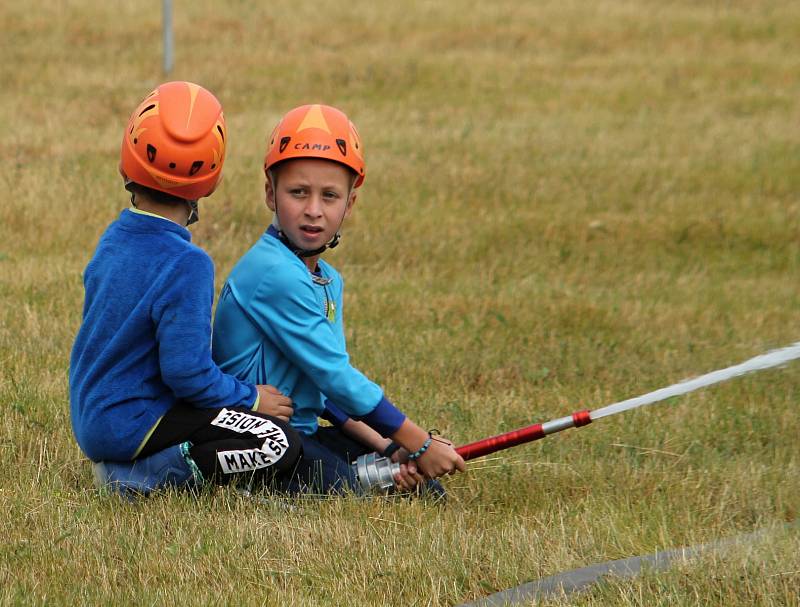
312,199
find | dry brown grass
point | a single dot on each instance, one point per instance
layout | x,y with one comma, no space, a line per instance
567,204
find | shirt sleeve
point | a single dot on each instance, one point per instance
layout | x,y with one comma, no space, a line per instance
286,309
334,414
182,315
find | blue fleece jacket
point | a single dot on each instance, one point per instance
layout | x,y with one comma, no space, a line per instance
145,339
278,324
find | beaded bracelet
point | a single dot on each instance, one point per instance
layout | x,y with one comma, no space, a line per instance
418,453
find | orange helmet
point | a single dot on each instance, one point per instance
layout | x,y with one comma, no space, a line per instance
317,131
175,141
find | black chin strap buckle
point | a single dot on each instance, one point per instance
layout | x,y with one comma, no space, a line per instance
306,252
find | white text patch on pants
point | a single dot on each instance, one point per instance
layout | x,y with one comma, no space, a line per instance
244,423
248,460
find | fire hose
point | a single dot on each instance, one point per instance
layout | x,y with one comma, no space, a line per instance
376,473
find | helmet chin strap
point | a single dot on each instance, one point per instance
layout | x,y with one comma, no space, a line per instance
194,213
306,252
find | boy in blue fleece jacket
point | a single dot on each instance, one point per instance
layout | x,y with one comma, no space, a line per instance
148,404
279,316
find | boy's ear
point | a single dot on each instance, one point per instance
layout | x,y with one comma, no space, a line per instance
270,194
350,203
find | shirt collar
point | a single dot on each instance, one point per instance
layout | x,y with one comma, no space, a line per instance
148,213
139,221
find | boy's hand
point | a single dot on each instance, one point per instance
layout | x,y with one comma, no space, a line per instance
408,477
272,402
440,458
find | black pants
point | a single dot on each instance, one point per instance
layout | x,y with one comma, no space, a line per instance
325,464
229,443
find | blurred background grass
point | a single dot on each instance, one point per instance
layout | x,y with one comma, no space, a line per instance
567,204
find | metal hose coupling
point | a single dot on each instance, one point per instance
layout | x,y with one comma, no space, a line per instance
375,473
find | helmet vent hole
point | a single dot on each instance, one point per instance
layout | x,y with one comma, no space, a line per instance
135,140
342,146
196,166
172,165
151,153
284,142
213,166
147,109
221,132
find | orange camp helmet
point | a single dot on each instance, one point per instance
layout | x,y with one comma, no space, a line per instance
175,141
317,131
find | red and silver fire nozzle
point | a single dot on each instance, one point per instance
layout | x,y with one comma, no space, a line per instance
376,473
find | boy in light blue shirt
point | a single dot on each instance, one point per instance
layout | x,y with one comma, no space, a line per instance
279,315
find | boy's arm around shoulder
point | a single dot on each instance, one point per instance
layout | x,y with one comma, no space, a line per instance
181,313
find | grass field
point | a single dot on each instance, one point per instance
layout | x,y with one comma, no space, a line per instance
567,204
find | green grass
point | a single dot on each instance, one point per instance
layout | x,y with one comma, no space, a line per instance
567,204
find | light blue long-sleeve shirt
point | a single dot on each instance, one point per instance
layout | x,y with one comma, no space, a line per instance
278,324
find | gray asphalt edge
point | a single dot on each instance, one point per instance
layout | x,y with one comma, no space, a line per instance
576,580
